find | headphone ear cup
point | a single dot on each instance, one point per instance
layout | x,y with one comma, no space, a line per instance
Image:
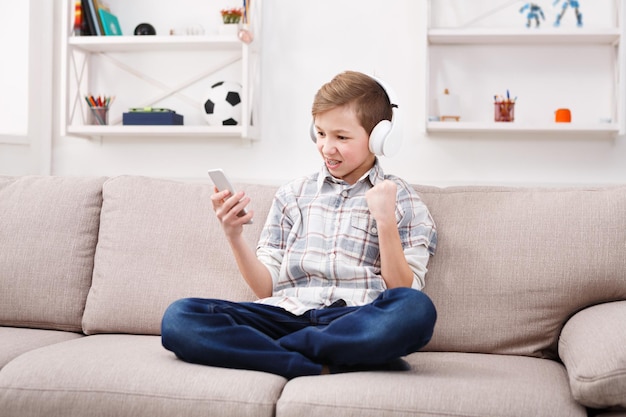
379,136
313,133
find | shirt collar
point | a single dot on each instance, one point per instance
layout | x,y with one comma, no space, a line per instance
374,175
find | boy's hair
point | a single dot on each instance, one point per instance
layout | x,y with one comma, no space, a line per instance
362,92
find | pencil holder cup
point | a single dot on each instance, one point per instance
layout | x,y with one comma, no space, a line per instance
99,115
504,111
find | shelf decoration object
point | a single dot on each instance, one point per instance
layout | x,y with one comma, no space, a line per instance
230,19
574,5
152,116
245,32
563,116
144,29
99,109
231,16
223,104
534,12
449,106
504,108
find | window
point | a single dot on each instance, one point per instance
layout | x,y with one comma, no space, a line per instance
14,47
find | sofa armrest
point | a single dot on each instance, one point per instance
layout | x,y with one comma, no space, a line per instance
593,348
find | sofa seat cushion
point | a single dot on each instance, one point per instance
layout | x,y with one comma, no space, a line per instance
513,264
439,384
14,341
129,376
159,241
48,233
593,348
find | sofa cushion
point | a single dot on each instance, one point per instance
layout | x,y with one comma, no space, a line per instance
513,264
160,241
593,348
15,340
48,235
129,376
439,384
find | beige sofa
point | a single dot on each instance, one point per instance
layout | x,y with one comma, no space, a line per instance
530,286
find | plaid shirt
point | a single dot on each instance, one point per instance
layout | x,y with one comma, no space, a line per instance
320,241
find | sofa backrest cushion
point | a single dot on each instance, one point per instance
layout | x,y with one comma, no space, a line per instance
160,241
48,234
513,264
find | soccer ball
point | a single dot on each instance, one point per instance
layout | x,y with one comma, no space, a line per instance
222,106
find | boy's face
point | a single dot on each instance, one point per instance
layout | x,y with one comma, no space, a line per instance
343,143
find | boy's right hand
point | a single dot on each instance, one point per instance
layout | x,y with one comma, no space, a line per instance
228,210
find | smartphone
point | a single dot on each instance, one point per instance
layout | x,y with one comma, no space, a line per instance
222,183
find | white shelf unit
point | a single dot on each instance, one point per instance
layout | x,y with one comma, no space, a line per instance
152,43
548,128
525,39
75,82
511,36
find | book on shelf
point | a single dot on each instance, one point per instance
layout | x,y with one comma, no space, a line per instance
97,5
92,26
87,28
110,24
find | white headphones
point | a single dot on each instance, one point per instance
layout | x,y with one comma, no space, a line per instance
386,137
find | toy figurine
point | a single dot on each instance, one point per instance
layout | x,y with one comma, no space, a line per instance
574,5
534,11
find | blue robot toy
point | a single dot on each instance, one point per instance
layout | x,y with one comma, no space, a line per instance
534,11
574,5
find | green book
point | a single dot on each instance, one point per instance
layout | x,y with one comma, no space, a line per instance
110,24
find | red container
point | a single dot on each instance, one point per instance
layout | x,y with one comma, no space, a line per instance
504,111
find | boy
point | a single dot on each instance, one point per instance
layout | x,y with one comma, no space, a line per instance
339,264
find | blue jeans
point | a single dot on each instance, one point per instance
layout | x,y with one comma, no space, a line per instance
267,338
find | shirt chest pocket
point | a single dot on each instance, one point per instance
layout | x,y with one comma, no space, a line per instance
362,246
363,223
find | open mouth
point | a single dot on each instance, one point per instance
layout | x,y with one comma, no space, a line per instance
332,163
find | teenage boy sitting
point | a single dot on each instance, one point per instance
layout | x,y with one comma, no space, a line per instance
339,265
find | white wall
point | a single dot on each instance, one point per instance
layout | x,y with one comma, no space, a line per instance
305,44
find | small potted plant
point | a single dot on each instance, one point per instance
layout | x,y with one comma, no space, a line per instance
232,15
231,19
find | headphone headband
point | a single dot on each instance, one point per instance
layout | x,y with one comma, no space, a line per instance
393,100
